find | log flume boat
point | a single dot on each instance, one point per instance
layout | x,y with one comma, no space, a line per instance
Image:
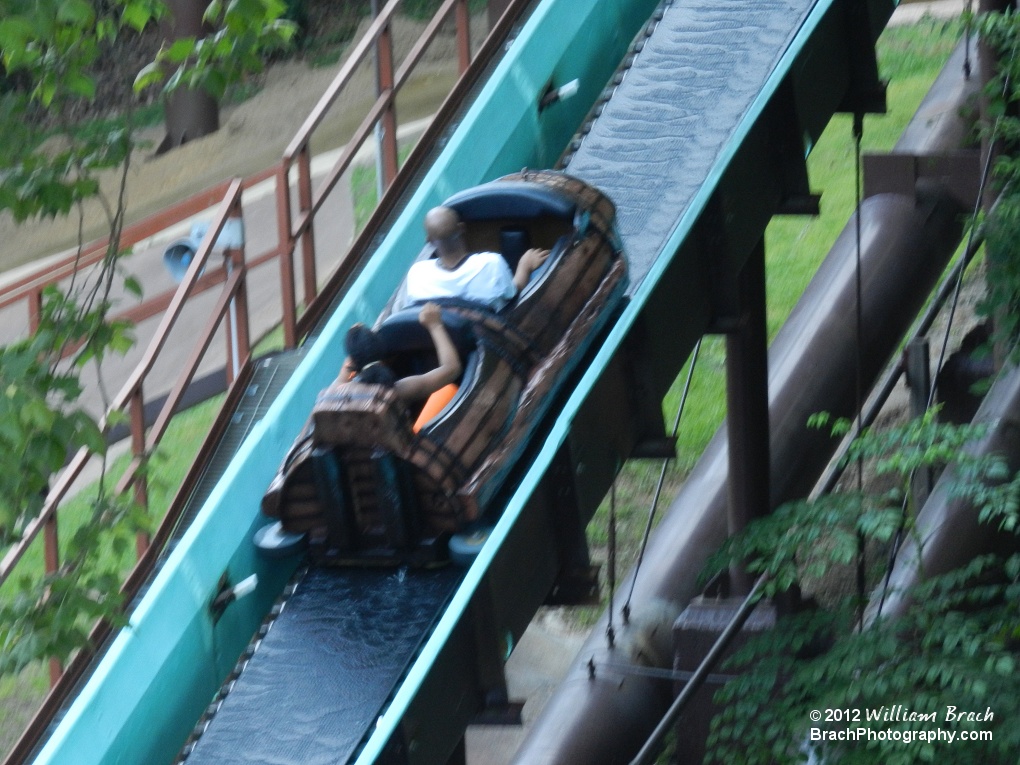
359,485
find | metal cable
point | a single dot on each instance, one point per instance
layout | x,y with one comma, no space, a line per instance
893,372
610,631
858,133
701,674
662,478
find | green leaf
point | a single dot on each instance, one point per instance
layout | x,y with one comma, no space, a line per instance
76,12
133,286
180,50
150,74
136,15
213,12
45,92
15,33
216,83
80,85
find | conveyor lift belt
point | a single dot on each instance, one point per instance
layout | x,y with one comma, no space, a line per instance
678,110
325,666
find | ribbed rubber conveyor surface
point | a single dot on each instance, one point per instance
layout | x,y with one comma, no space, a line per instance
327,667
678,108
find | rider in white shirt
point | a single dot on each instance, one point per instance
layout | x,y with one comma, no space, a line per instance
482,277
455,272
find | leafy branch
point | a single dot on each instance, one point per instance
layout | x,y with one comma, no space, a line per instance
955,646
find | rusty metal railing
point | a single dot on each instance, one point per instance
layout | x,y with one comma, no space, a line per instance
130,399
232,275
295,230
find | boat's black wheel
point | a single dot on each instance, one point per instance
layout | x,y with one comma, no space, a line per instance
273,542
464,547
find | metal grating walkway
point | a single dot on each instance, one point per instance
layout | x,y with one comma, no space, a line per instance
269,376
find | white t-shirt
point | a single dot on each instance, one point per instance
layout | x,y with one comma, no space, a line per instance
483,277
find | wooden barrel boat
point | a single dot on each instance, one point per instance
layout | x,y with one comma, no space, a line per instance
360,485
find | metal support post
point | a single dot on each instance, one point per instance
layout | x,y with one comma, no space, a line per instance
747,418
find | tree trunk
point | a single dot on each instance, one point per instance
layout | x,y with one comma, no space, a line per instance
189,114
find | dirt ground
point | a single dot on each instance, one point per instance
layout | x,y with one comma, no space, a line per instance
253,136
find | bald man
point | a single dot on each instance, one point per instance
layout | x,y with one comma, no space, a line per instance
455,272
482,277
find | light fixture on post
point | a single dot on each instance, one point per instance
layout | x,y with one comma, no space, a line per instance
178,255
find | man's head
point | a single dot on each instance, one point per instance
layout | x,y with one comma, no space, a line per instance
444,230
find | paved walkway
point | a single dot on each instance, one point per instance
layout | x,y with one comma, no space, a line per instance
911,13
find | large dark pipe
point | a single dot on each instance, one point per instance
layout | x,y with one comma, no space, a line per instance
603,713
948,528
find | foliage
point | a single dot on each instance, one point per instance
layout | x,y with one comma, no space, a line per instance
954,647
49,51
955,644
52,617
243,30
801,540
1002,301
39,422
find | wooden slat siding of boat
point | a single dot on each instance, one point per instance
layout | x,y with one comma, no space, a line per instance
478,489
513,343
361,480
487,413
484,416
548,312
293,496
441,511
601,207
304,510
352,414
355,414
331,531
337,529
290,474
